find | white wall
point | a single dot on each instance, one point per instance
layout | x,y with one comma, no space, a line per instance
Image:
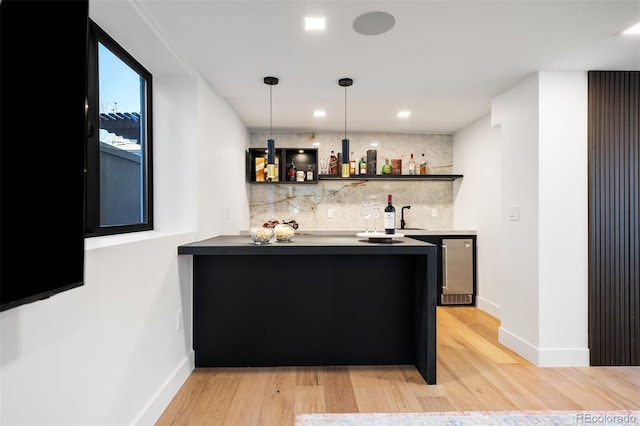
563,221
543,259
110,352
223,200
516,112
476,155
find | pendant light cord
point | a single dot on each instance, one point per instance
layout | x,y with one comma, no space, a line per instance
271,111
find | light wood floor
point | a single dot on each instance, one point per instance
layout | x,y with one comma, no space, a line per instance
474,372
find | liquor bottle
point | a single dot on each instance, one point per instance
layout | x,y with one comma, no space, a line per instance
309,172
333,163
424,166
291,171
389,217
386,167
353,168
412,165
362,166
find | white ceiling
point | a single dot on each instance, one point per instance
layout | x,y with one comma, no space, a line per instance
443,60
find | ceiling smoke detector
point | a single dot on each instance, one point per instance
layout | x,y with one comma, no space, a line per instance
374,23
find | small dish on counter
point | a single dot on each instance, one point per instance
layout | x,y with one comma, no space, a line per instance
261,235
379,237
283,232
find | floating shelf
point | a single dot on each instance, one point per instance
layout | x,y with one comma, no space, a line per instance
302,157
393,177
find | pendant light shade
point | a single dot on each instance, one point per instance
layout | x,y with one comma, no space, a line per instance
345,82
271,160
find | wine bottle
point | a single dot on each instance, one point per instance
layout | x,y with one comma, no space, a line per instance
412,165
389,217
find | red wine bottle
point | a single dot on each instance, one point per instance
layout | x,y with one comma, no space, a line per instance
389,217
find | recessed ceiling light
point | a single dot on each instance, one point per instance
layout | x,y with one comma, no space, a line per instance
374,143
316,144
404,114
319,113
634,30
313,23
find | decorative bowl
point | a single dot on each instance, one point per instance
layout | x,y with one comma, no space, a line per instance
261,235
283,232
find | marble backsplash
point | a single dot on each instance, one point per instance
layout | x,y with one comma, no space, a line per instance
311,205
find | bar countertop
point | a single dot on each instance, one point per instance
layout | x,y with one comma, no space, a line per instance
305,244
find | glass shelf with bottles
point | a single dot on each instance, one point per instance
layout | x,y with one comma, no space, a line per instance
292,166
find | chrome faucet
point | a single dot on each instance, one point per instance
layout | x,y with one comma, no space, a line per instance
402,222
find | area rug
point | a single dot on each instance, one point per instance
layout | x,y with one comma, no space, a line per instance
474,418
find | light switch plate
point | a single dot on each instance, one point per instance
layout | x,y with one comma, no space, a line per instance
514,213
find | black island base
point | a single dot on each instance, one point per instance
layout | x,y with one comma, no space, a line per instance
316,301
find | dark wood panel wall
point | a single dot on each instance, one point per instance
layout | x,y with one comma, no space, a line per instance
614,230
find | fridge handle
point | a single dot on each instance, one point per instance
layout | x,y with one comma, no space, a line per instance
444,266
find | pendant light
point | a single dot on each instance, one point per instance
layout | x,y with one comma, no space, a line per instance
345,82
271,160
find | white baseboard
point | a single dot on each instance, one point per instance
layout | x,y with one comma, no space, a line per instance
488,306
150,414
518,345
556,357
564,357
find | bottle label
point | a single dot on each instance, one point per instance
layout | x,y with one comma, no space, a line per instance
389,222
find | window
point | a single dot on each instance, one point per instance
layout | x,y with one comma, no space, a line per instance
118,156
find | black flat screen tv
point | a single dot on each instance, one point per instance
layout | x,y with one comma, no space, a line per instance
43,51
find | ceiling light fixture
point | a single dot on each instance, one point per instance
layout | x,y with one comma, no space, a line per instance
404,114
345,82
271,160
319,113
313,23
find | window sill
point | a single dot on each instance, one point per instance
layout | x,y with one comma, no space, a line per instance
96,243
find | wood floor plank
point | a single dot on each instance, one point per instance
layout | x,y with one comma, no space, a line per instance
474,373
598,389
309,399
211,407
468,338
249,395
370,396
277,404
339,396
194,388
307,376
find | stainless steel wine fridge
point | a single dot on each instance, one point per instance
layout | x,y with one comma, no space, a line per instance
457,271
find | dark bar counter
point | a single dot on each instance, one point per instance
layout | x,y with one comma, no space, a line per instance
317,300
